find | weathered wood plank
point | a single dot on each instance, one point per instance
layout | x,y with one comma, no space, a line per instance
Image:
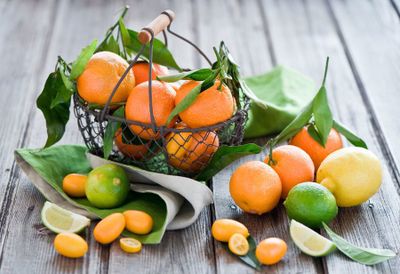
370,32
26,248
18,74
303,41
241,25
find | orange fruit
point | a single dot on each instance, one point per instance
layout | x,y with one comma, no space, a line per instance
317,152
136,152
130,245
100,76
223,229
238,244
191,151
293,165
271,250
211,106
137,107
138,222
141,71
109,229
74,185
255,187
70,245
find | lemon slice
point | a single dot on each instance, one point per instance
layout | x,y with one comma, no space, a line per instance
309,241
130,245
238,244
60,220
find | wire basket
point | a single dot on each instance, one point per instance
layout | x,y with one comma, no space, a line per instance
172,150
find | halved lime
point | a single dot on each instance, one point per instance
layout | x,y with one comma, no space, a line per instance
309,241
59,220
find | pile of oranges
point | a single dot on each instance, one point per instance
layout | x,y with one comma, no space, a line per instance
187,150
272,179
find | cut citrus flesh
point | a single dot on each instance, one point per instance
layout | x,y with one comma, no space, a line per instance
309,241
238,244
59,220
130,245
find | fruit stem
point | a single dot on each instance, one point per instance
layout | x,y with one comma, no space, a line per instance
326,70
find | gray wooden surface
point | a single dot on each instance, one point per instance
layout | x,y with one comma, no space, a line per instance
363,40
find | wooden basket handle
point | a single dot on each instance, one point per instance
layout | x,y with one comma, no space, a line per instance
159,24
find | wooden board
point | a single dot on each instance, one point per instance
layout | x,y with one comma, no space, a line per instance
362,38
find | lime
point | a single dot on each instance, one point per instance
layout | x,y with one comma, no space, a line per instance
107,186
352,174
309,241
60,220
311,204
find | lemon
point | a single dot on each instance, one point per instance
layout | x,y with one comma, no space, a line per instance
309,241
238,244
311,204
130,245
352,174
107,186
60,220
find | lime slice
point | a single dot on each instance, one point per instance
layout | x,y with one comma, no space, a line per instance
60,220
309,241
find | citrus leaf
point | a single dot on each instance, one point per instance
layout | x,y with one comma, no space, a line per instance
185,103
250,258
295,126
197,75
110,131
161,54
350,136
367,256
109,45
64,93
313,133
55,114
78,66
322,115
224,156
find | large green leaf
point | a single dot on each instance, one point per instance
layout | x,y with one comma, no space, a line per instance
285,91
54,163
350,136
224,156
161,54
54,103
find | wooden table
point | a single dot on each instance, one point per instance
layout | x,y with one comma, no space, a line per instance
361,37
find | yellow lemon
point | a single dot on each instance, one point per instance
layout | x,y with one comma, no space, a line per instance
352,174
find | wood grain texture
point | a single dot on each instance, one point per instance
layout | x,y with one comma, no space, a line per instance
244,32
370,32
303,43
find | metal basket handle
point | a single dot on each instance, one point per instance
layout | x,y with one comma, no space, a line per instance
159,24
146,35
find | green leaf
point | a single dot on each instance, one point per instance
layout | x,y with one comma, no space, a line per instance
322,115
161,54
53,164
224,156
78,66
63,94
109,45
185,103
367,256
126,39
110,131
250,258
314,133
197,75
295,126
350,136
55,111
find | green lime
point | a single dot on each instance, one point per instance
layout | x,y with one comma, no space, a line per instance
107,186
311,204
309,241
59,220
